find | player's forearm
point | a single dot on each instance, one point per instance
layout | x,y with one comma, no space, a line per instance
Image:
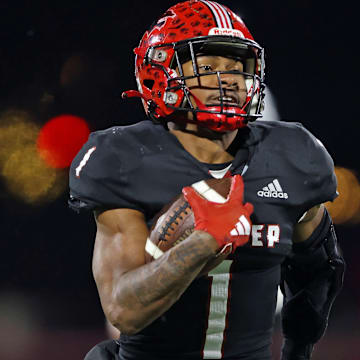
145,293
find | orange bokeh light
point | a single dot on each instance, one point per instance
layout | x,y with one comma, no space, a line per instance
346,207
61,138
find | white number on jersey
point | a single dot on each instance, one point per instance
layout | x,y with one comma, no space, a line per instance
84,160
217,310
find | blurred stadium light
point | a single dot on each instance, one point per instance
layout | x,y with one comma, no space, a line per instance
30,179
17,129
345,209
61,138
26,176
271,111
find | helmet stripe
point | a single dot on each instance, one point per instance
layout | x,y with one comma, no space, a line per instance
224,15
215,14
220,14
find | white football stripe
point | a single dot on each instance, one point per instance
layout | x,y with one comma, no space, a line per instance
277,185
246,224
265,188
152,249
201,187
208,193
213,196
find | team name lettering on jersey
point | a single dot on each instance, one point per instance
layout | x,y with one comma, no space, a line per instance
265,235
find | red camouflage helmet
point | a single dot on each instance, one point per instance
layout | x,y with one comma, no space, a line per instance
184,30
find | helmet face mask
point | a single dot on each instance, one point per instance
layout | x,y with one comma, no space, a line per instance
216,116
163,84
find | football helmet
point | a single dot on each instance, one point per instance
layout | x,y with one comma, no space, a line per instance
184,31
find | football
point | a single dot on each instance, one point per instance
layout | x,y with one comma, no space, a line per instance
175,221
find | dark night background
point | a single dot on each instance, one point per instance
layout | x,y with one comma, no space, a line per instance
49,306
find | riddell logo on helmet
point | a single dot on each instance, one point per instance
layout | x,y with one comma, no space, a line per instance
228,32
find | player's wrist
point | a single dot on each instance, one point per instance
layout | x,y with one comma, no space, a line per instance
219,248
210,240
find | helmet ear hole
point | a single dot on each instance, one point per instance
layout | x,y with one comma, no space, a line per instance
149,83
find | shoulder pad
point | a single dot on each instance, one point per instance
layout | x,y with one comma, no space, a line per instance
98,176
304,153
322,178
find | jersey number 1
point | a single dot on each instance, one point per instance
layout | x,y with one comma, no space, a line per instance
217,310
84,160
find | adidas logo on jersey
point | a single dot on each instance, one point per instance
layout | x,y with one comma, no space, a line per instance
273,190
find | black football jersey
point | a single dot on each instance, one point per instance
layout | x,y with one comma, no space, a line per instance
229,313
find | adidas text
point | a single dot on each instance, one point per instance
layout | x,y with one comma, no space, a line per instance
272,194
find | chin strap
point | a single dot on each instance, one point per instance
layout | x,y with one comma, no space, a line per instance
217,118
151,105
134,93
232,119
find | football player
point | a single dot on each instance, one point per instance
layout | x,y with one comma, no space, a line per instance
200,76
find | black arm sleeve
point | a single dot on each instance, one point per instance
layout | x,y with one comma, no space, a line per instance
311,279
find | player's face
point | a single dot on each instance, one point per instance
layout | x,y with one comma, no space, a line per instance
206,88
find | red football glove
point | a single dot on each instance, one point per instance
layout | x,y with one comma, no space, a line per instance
229,222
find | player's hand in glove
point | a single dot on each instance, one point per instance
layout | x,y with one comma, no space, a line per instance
229,222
